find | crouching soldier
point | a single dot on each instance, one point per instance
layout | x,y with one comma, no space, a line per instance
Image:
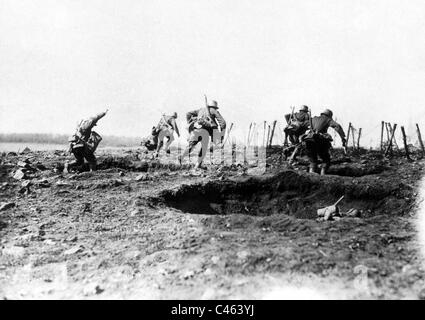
165,129
298,124
318,141
202,124
150,142
84,142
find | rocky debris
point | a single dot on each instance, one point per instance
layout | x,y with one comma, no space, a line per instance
215,259
24,164
73,250
63,184
4,186
19,175
26,150
188,274
26,183
25,187
6,205
143,177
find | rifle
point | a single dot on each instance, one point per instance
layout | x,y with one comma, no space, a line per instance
292,114
206,105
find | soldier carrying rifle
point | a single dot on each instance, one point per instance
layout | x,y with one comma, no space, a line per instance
318,140
298,124
83,143
202,124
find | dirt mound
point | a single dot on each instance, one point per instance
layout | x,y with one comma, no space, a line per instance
288,192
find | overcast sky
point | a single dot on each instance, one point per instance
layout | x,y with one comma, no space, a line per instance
63,60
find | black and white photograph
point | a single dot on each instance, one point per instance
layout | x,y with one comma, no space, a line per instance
212,150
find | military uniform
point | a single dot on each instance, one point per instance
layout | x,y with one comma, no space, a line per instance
298,124
203,120
165,128
84,142
318,141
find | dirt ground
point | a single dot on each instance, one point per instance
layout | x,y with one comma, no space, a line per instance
142,229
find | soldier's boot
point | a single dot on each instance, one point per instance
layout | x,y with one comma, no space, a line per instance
66,167
324,169
200,166
92,167
312,168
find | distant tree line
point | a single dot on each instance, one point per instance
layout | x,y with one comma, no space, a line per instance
49,138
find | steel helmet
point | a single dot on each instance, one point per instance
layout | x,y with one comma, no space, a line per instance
213,104
328,113
304,108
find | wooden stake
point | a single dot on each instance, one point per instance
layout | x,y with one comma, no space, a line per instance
245,161
264,133
179,151
388,132
395,140
406,148
268,135
354,139
272,134
391,140
249,133
358,139
233,152
382,135
348,133
421,142
256,147
211,153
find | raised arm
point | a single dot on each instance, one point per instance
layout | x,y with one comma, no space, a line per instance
219,119
337,127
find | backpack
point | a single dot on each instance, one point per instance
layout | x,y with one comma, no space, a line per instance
93,141
204,120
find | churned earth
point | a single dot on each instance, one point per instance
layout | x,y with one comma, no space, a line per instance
152,229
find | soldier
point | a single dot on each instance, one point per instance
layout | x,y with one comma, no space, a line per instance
150,142
84,142
204,123
165,128
318,141
298,124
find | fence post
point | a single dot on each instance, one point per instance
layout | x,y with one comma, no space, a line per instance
348,133
272,133
382,136
421,142
406,148
389,148
233,152
358,139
